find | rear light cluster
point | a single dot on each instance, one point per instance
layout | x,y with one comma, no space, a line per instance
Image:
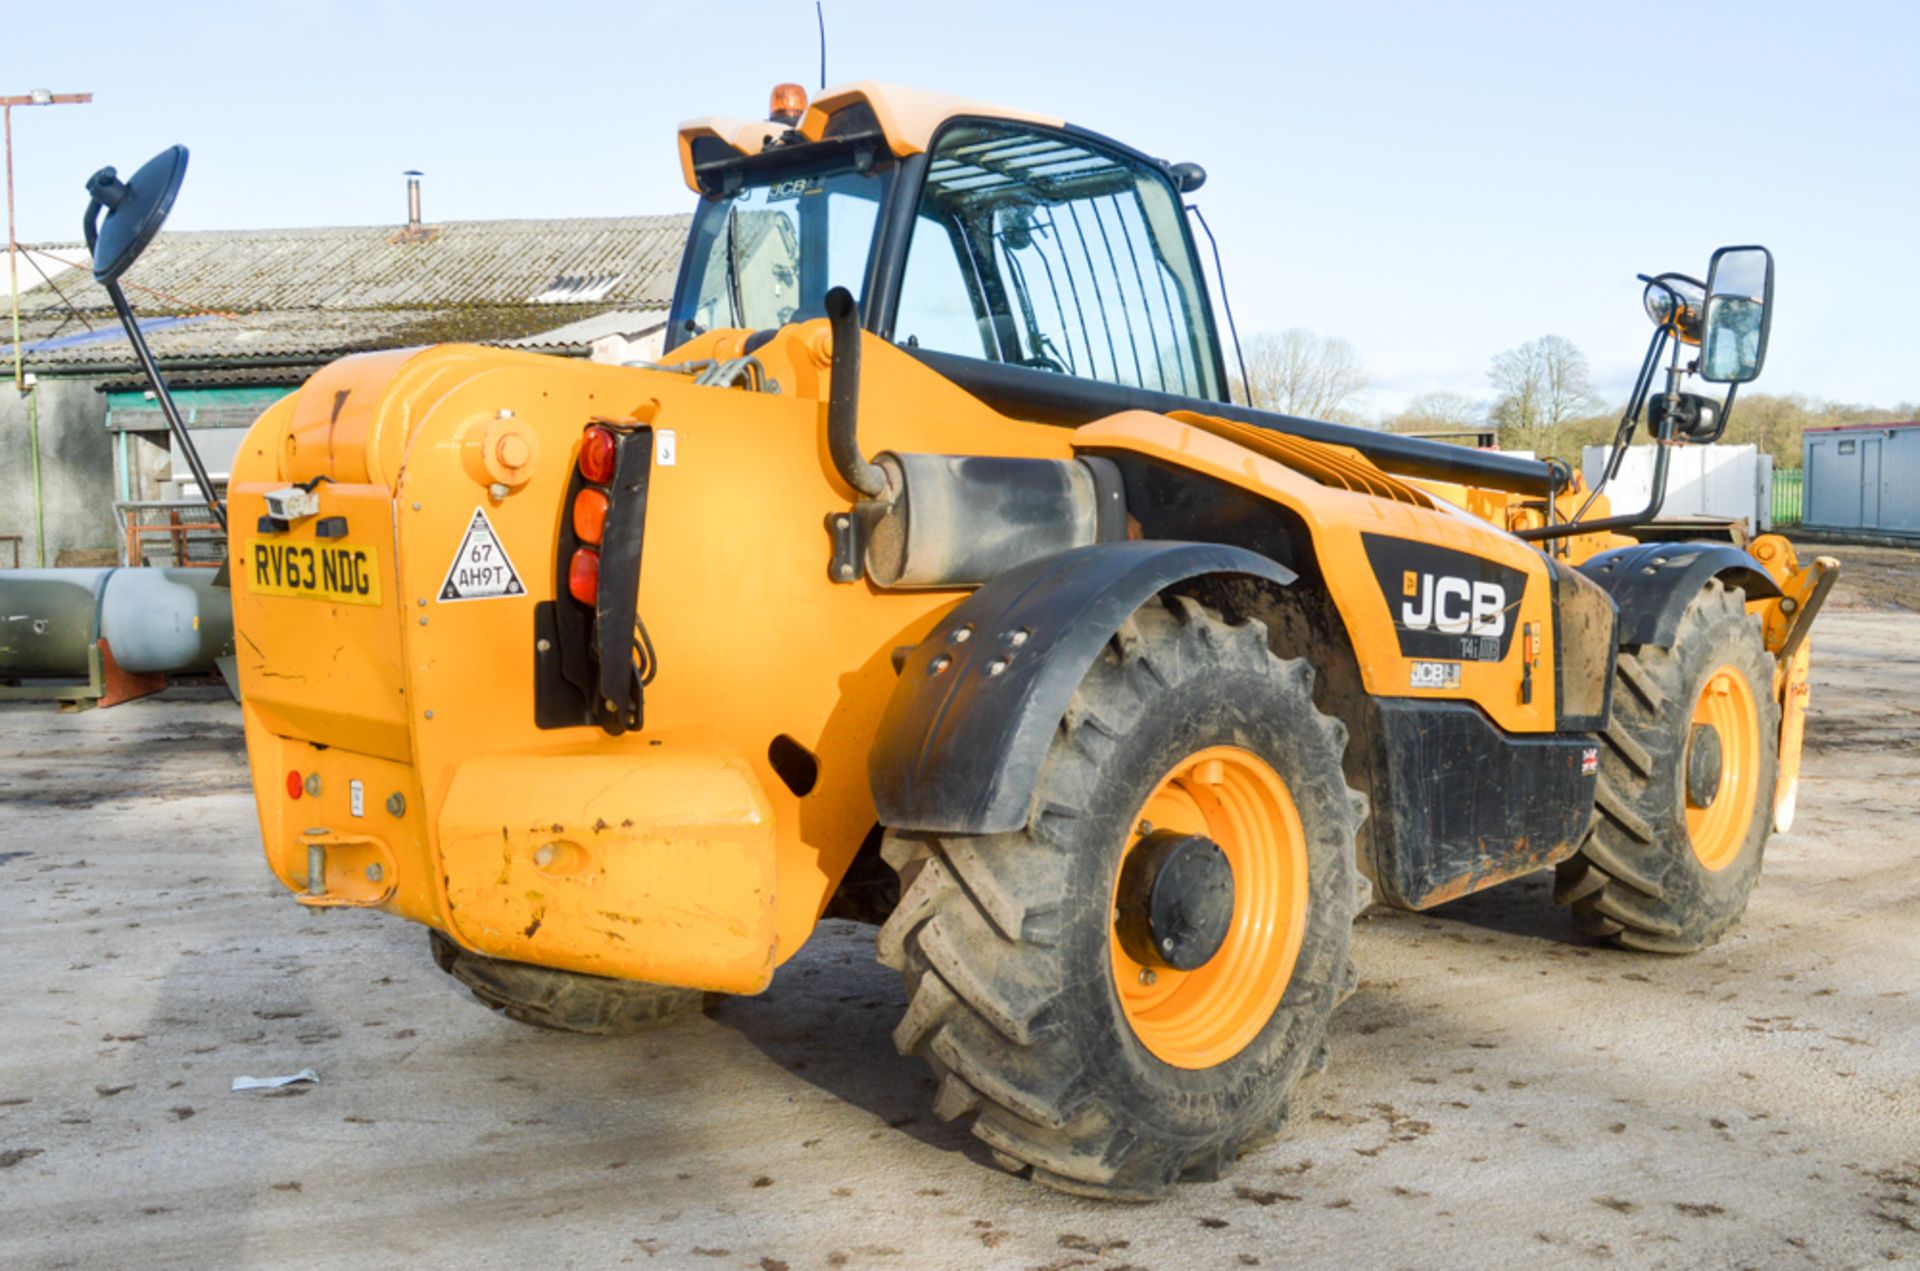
589,513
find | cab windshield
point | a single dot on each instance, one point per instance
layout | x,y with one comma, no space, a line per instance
767,254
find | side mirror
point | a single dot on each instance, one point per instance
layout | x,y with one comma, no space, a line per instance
1733,342
135,210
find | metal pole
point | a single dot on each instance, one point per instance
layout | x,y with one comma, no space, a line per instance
165,399
39,503
13,268
37,98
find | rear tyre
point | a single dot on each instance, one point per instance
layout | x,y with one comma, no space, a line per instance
1078,1053
564,1001
1686,782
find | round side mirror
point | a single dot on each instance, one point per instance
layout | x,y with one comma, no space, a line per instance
135,210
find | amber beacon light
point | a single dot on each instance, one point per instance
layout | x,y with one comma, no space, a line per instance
788,104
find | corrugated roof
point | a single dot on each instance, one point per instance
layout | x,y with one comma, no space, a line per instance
237,297
631,323
372,267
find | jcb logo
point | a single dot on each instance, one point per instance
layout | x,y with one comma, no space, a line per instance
1446,604
1452,606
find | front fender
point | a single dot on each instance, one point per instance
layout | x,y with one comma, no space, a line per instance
963,736
1652,583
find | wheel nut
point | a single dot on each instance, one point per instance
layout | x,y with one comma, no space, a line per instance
1147,976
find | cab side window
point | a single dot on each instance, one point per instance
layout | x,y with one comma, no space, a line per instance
1045,250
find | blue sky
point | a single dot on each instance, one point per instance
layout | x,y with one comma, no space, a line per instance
1433,182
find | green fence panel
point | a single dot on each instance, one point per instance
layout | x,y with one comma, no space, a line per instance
1788,487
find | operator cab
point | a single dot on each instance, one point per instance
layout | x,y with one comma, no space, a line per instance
962,230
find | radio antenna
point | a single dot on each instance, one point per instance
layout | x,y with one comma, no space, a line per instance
820,17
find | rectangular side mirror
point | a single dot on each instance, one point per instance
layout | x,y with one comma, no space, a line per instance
1739,313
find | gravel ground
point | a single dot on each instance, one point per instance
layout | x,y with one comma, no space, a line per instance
1870,577
1500,1095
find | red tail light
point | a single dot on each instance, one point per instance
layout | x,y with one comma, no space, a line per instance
296,785
596,455
583,575
589,515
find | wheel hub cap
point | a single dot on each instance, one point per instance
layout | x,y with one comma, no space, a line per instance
1703,765
1176,901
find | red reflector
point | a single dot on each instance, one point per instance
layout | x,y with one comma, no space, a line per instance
596,455
583,575
296,784
589,516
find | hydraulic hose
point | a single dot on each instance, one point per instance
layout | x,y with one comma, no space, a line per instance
843,398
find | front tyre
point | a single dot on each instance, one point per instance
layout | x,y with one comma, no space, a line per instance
1686,783
1127,989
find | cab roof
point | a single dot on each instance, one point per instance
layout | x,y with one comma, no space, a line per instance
906,117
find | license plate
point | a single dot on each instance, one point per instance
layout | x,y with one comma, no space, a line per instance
315,571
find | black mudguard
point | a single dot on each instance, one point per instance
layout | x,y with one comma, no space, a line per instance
1652,584
963,737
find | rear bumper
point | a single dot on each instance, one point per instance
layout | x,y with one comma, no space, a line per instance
656,866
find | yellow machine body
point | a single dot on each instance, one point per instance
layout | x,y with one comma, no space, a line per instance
390,721
675,854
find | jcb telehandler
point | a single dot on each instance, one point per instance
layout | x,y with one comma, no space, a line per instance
931,577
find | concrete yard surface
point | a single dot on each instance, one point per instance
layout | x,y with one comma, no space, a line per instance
1501,1094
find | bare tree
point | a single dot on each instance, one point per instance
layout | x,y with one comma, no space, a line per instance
1439,411
1300,373
1542,384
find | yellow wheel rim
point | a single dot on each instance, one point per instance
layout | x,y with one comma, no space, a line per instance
1718,831
1206,1016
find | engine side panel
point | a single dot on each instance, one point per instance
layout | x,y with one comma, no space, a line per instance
1432,599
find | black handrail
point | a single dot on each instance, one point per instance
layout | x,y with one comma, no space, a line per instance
843,397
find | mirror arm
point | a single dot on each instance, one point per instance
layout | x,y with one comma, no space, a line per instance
1657,497
167,407
1622,438
107,193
